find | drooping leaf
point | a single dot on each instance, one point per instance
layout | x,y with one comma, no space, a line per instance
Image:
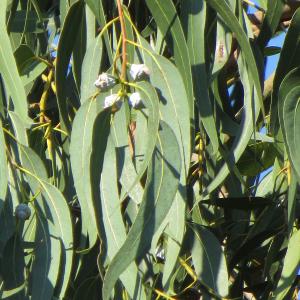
115,233
97,8
81,149
64,50
126,169
161,187
209,261
223,8
150,100
289,115
3,169
56,231
288,60
290,266
167,19
194,16
8,68
90,69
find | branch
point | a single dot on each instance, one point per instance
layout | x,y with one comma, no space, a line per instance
123,32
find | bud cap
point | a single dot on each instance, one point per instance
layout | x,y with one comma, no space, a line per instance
139,71
105,82
135,100
113,99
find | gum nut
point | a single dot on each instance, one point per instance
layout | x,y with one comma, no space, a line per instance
135,100
139,71
110,100
22,212
105,82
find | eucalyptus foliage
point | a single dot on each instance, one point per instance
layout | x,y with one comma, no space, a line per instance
133,141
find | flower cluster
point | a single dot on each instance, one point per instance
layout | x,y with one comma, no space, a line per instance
106,82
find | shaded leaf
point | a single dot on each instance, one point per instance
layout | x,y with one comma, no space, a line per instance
161,186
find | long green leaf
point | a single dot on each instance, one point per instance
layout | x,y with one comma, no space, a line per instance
97,8
289,116
161,187
290,266
55,227
126,168
194,16
3,168
115,233
90,69
222,8
8,68
270,23
243,135
150,100
174,110
165,15
209,261
80,154
64,51
288,60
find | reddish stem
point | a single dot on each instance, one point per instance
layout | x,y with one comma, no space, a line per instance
123,32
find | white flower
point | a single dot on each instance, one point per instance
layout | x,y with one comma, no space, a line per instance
139,72
135,100
111,100
105,82
22,212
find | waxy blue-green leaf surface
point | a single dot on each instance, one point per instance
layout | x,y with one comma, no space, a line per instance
160,190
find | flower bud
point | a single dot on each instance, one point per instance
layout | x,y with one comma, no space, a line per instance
135,100
22,212
112,100
105,82
139,72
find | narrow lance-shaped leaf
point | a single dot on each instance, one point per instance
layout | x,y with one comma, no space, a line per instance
209,260
64,50
161,187
97,8
289,116
55,227
194,16
222,7
251,112
90,69
126,168
290,266
115,233
3,168
174,110
167,19
8,68
81,149
288,60
150,100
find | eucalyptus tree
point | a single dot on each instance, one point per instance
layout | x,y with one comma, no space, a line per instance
143,153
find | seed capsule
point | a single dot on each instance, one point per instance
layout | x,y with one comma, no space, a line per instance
22,212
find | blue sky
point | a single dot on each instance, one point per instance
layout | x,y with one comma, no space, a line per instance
272,62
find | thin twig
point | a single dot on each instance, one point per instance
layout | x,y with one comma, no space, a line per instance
123,32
